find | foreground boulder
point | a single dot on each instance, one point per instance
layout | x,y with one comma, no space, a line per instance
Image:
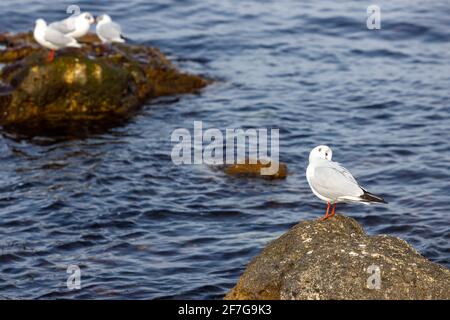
92,85
336,259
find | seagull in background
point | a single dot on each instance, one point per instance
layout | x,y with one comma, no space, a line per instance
52,39
332,183
75,26
107,30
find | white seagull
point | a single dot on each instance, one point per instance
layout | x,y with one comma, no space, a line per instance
76,26
52,39
107,30
332,183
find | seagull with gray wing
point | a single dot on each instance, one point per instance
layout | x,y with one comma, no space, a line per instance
75,26
52,39
332,183
107,30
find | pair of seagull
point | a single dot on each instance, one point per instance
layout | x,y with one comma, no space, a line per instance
64,33
332,183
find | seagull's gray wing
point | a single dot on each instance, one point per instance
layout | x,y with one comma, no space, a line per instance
57,38
338,167
65,26
110,30
333,181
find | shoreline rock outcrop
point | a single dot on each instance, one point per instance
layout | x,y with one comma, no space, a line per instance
335,259
91,85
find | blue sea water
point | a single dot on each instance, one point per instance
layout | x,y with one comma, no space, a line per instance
140,227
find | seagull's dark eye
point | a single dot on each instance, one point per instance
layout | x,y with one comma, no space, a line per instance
326,154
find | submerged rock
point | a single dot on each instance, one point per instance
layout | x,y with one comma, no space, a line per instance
254,170
336,259
82,86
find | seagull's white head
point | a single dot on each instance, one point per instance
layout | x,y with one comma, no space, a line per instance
41,23
87,16
321,152
104,18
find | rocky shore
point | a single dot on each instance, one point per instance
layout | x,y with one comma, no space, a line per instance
336,259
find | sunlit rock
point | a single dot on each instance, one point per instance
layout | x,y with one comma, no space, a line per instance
275,171
336,259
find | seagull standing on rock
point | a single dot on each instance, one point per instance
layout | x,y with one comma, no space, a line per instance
75,26
52,39
107,30
332,183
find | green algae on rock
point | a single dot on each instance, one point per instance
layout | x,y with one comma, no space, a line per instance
82,86
335,259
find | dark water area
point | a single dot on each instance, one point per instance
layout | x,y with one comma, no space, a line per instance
141,227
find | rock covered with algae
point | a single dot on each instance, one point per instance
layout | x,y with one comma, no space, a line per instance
82,86
335,259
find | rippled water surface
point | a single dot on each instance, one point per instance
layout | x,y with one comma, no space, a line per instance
141,227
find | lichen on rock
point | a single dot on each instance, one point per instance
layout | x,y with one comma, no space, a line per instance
334,259
82,86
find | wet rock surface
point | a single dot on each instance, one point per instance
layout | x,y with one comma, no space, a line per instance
336,259
275,171
89,86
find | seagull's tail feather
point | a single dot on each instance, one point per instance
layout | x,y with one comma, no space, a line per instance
370,197
120,39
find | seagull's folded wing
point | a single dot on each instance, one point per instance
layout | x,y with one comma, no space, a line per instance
57,38
64,26
110,31
333,181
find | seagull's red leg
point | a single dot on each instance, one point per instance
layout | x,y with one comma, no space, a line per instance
332,211
326,214
51,55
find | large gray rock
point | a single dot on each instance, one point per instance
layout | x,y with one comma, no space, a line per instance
336,259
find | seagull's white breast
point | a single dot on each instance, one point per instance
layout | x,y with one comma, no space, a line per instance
309,176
